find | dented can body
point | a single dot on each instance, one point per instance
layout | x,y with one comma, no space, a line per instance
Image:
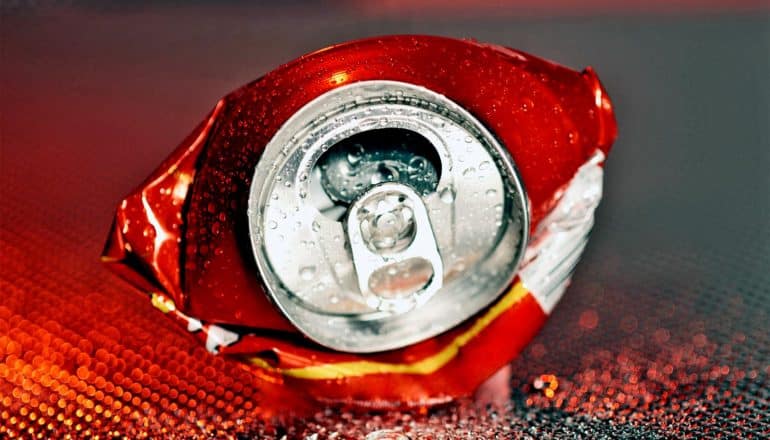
384,222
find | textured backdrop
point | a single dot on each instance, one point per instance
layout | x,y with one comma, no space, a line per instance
664,332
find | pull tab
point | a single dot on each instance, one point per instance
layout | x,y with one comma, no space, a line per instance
395,254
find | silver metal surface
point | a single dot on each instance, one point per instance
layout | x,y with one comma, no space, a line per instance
468,237
399,267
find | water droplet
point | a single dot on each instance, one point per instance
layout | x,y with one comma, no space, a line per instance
417,165
469,171
491,192
468,139
307,273
354,156
447,194
483,165
384,173
573,137
272,224
316,226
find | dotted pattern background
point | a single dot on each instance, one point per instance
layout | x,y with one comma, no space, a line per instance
664,332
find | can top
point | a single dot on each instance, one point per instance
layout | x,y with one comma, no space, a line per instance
382,213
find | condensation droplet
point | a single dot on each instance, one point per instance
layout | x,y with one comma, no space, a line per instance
417,165
355,155
573,137
447,194
272,224
527,104
307,273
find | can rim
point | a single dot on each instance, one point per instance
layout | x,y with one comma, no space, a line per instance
369,338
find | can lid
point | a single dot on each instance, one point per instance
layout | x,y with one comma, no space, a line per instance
382,213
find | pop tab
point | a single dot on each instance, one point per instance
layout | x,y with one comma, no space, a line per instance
382,213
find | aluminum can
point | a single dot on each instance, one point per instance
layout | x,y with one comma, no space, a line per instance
385,222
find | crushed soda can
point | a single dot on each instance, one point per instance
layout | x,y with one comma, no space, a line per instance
383,223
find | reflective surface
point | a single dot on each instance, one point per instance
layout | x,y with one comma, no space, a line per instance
664,330
465,230
560,119
374,156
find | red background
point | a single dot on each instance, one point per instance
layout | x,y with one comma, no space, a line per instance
663,333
